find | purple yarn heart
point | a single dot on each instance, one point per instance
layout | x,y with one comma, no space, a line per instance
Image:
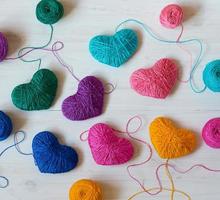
87,102
3,47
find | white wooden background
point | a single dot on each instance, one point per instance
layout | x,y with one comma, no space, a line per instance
84,19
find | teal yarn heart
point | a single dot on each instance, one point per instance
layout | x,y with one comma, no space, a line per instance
114,50
211,75
49,11
38,94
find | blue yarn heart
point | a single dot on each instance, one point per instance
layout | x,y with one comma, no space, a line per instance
52,157
114,50
5,126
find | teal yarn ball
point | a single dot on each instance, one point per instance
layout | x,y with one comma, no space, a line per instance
49,11
114,50
38,94
5,126
211,75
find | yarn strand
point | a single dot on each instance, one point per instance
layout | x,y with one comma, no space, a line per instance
129,133
16,145
20,53
148,30
6,184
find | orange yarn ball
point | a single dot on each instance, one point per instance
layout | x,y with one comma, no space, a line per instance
85,189
169,140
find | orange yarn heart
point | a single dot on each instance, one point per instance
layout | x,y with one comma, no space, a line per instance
169,140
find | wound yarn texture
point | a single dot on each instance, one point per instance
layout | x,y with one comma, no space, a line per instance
171,16
170,141
157,81
87,102
38,94
211,75
211,133
5,126
85,189
114,50
107,148
49,11
3,47
52,157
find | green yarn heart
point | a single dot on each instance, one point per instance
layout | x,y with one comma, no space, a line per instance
38,94
114,50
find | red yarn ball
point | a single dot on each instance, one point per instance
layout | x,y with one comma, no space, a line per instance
171,16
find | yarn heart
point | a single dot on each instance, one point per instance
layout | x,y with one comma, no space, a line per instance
170,141
107,148
114,50
38,94
157,81
87,102
52,157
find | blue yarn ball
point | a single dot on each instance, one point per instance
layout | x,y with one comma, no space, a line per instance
5,126
211,75
52,157
114,50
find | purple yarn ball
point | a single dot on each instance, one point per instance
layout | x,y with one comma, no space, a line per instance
3,47
87,102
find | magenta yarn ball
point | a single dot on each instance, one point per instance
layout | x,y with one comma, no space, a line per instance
211,133
3,47
171,16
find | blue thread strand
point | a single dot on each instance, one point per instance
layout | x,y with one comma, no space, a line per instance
16,143
35,48
154,36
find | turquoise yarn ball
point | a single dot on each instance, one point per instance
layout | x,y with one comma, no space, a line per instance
211,75
114,50
5,126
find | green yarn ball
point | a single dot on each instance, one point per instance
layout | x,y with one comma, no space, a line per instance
38,94
49,11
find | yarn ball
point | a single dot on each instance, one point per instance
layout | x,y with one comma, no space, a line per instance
169,140
211,133
211,75
85,189
87,102
157,81
52,157
49,11
5,126
114,50
38,94
3,47
171,16
107,148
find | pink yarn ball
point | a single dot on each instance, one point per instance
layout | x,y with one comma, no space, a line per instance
171,16
107,148
211,133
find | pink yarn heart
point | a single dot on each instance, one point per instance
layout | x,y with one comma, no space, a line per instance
157,81
107,148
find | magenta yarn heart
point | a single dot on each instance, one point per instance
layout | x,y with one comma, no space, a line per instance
87,102
107,148
157,81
